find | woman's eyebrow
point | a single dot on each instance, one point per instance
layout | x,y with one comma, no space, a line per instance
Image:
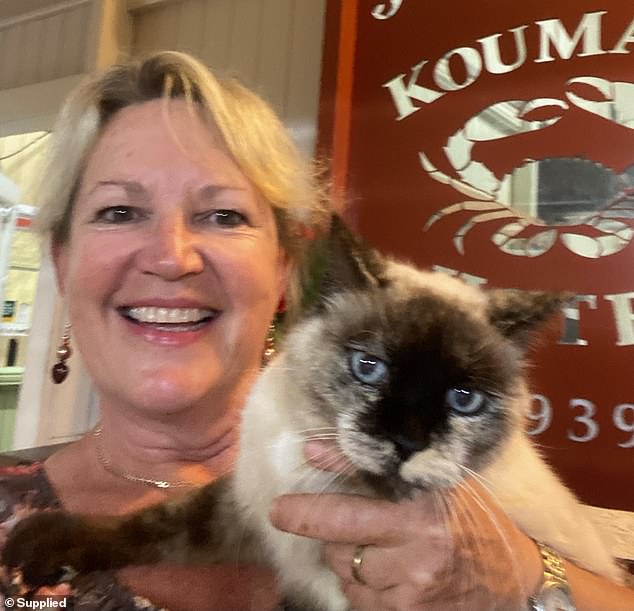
210,191
131,186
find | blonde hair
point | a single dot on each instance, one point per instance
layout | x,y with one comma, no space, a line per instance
251,131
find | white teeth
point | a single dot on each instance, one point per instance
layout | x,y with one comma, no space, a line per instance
168,315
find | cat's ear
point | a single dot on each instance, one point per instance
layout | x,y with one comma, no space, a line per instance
350,262
518,314
342,261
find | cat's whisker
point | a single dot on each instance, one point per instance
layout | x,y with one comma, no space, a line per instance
327,461
308,474
444,511
485,482
317,429
329,479
488,486
320,430
477,498
460,539
318,436
303,438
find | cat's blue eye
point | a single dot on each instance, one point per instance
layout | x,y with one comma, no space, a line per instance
464,401
367,368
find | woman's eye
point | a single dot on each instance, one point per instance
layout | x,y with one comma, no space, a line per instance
227,218
464,401
367,368
119,214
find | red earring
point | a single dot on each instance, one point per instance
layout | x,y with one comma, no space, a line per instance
60,370
281,306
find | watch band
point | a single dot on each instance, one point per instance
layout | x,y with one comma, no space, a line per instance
554,583
553,564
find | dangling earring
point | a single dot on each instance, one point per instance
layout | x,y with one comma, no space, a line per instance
269,345
60,370
269,342
281,306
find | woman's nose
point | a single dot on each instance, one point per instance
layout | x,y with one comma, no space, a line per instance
172,250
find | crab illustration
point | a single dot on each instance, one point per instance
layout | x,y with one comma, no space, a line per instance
528,233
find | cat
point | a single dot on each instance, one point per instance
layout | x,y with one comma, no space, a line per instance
418,377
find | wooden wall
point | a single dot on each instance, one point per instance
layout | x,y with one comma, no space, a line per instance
273,46
43,44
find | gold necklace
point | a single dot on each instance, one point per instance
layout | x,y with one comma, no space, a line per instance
148,481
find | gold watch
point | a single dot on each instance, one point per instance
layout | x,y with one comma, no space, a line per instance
554,593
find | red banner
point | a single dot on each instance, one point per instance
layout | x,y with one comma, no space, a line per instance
496,140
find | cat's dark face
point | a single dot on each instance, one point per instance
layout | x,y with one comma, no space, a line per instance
415,384
419,374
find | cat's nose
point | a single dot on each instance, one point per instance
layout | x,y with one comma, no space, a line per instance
406,446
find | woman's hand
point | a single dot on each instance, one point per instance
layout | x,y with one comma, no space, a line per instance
441,551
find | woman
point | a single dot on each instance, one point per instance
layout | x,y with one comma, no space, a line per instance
175,213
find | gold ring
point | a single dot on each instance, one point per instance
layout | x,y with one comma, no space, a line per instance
357,561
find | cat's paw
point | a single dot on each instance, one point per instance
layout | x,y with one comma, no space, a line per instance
51,547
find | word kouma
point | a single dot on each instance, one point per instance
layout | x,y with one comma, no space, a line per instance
554,40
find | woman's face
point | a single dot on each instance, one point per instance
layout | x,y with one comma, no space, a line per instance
173,269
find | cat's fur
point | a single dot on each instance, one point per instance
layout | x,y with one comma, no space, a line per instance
434,334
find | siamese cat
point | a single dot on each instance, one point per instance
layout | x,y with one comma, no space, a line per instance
418,378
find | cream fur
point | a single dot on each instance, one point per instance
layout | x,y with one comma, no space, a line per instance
271,463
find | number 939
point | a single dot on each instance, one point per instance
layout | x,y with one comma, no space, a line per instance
583,425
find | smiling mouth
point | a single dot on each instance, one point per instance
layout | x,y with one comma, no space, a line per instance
170,319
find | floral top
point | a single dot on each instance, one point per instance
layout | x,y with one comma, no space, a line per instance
25,489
